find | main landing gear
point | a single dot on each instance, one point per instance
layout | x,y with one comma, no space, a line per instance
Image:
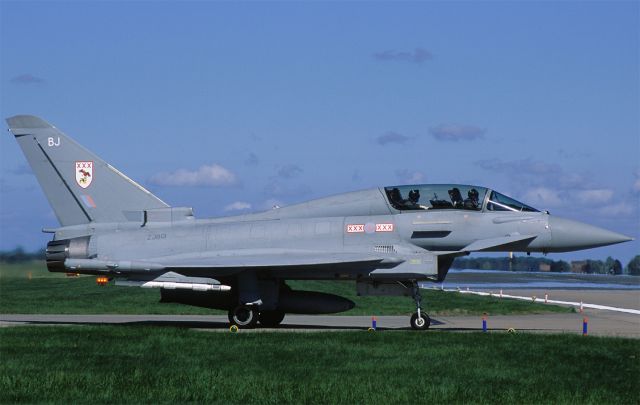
419,320
244,316
270,319
247,316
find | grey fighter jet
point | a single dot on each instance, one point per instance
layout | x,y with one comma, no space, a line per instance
386,239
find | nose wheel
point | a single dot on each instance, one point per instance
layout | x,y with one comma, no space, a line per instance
419,320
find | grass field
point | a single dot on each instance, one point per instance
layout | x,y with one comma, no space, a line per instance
123,364
30,289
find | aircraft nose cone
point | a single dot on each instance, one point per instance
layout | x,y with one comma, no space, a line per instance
568,235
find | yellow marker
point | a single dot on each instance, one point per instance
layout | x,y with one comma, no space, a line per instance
233,328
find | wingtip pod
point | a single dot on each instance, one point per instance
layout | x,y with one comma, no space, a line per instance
26,122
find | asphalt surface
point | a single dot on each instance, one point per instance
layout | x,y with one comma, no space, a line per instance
600,322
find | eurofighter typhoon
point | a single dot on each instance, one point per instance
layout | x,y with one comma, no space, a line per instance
385,239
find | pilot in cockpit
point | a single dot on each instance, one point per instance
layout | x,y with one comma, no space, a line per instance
414,197
410,203
472,202
396,198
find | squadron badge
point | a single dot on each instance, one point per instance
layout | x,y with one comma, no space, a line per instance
84,173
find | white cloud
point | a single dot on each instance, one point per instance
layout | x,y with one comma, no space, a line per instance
238,206
620,209
408,177
521,167
27,78
418,55
455,132
252,160
289,171
535,173
280,189
206,175
391,137
594,201
550,197
594,196
543,197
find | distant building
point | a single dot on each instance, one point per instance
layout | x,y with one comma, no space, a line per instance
544,267
579,266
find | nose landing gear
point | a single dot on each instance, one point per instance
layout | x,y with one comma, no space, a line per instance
419,320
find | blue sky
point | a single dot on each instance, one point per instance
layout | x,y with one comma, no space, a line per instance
234,107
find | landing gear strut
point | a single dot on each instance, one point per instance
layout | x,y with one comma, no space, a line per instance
419,320
244,316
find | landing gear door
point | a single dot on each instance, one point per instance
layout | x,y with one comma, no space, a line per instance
377,289
414,267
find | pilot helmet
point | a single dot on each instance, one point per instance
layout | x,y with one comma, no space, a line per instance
414,195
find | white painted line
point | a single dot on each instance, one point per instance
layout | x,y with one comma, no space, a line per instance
575,304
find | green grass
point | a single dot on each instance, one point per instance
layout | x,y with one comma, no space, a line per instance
31,289
124,364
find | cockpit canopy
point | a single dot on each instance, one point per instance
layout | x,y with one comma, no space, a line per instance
451,196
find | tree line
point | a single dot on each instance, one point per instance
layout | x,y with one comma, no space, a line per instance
528,263
19,255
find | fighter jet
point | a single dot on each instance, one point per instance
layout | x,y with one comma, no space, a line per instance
387,240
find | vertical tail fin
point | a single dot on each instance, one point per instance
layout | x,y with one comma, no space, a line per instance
80,186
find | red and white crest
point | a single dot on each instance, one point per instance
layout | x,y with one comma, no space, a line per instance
84,173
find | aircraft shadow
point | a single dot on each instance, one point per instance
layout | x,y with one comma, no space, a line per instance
213,325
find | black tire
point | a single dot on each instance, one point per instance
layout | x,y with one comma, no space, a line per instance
244,316
271,319
421,323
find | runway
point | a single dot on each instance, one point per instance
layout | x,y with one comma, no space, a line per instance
600,323
615,298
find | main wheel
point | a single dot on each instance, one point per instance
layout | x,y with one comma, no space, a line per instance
270,319
244,316
420,323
